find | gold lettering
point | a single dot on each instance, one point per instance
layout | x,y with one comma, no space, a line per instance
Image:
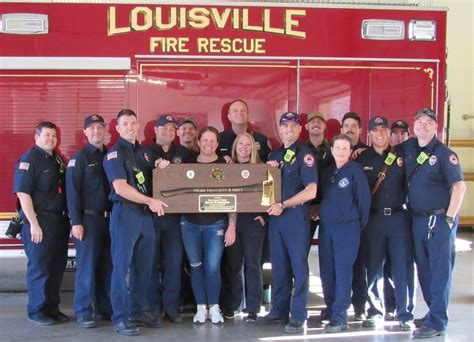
182,17
203,45
155,42
220,19
198,17
213,45
159,19
290,23
259,45
226,45
267,26
245,22
235,19
169,44
112,23
144,12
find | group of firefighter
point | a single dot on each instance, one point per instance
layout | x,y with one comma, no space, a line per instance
378,209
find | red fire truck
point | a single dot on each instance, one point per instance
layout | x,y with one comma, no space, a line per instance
61,61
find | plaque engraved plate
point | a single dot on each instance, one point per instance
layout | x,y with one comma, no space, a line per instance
217,203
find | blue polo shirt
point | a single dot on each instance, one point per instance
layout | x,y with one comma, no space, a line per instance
298,172
87,185
430,187
346,194
38,174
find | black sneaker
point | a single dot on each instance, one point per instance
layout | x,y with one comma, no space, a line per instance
174,317
251,317
404,325
127,328
41,319
59,317
294,327
335,327
229,314
359,317
271,318
419,322
152,321
389,316
371,321
86,322
427,332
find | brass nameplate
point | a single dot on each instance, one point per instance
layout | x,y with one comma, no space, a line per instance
217,204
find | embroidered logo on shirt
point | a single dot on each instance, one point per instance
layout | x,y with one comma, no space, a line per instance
400,161
177,160
432,160
112,155
368,168
147,158
453,159
71,163
343,183
309,159
24,166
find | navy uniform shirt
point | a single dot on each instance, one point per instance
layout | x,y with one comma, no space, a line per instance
391,192
87,186
430,187
227,138
176,154
125,161
323,159
297,173
346,194
42,176
359,144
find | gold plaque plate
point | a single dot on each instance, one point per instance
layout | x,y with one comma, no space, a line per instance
217,203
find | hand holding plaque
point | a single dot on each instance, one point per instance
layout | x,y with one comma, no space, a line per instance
194,188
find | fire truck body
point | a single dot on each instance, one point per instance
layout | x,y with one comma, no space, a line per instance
63,61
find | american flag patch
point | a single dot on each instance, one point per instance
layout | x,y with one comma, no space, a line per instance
112,155
24,166
72,163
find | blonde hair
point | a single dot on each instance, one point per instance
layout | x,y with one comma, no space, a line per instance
254,158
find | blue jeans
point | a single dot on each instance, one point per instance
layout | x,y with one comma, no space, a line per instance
204,245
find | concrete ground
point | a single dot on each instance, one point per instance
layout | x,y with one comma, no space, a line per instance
15,327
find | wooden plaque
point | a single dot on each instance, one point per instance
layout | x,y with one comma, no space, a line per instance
211,188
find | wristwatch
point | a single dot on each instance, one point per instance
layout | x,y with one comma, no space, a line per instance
283,206
449,220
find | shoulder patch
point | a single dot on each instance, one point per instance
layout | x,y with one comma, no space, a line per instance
72,163
24,166
433,159
400,161
453,159
112,155
309,159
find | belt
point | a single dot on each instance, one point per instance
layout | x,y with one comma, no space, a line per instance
385,211
429,213
138,206
103,213
51,212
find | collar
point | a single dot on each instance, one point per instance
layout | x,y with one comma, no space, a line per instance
92,149
430,145
44,153
128,144
325,143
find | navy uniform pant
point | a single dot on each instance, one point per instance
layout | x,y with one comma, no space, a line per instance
94,268
388,233
46,263
435,260
247,252
338,249
133,235
289,248
359,278
165,283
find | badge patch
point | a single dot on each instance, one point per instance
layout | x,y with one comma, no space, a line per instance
367,168
400,161
147,158
343,183
177,160
453,159
245,174
71,163
112,155
308,159
24,166
432,160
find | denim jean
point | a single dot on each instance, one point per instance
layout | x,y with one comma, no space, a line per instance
204,245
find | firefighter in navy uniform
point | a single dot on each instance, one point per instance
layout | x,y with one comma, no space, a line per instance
89,210
344,212
165,284
289,227
435,192
387,229
131,226
238,115
40,186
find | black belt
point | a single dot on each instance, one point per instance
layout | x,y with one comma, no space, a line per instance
52,212
429,213
103,213
385,211
138,206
